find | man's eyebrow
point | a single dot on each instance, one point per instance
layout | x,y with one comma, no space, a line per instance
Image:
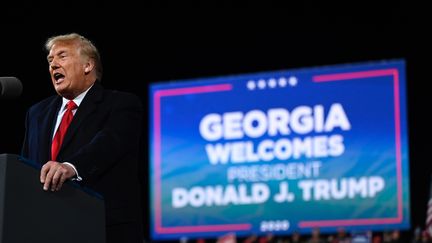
56,54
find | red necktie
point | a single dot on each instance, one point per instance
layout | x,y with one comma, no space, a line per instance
61,131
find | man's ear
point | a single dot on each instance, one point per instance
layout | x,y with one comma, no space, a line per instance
89,66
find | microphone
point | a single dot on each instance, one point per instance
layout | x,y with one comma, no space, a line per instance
10,87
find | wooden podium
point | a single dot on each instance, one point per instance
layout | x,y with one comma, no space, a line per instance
30,214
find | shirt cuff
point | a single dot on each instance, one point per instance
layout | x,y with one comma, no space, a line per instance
77,178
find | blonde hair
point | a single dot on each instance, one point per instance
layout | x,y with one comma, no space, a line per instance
86,48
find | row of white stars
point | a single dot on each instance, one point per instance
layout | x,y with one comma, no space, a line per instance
272,83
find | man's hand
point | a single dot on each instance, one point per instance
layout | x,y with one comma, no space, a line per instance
54,174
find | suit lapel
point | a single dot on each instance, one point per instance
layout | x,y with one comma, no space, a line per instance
46,121
87,107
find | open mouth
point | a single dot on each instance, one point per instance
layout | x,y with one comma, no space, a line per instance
58,77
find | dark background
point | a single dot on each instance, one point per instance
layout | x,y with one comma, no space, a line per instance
140,46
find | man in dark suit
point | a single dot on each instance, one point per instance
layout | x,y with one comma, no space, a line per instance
88,134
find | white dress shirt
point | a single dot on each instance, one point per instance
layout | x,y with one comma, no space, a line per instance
62,111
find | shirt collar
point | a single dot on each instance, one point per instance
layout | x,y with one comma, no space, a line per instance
77,99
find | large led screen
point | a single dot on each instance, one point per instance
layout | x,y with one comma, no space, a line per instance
280,151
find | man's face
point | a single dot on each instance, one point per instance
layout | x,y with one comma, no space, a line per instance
68,69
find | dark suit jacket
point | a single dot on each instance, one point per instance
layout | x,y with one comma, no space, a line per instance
102,142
